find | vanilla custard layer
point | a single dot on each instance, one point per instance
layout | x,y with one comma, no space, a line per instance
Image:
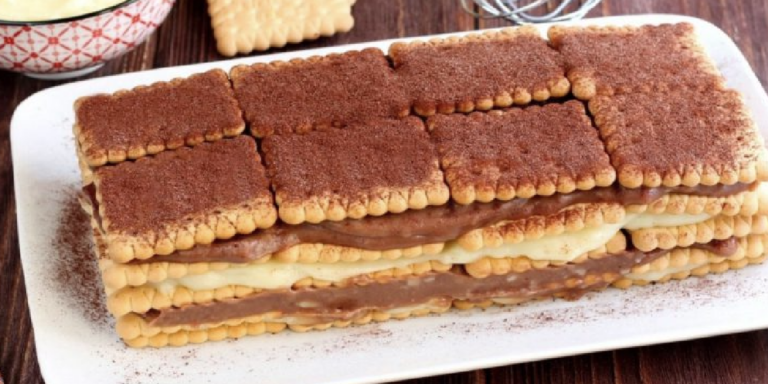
563,247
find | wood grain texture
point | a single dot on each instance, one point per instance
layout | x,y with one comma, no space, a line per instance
186,38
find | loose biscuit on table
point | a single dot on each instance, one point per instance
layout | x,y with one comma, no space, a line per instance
618,60
479,71
136,331
242,26
748,203
180,198
145,120
520,153
362,169
154,296
681,138
320,91
571,219
487,266
716,228
681,263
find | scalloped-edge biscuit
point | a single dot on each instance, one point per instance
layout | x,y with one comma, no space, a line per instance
496,68
683,263
180,198
747,203
571,219
146,120
243,26
86,172
716,228
140,299
681,138
137,333
318,92
488,266
625,59
119,275
520,153
372,168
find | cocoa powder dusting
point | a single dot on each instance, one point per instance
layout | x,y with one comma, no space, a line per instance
633,59
359,159
452,73
521,146
160,113
671,132
168,188
76,267
332,90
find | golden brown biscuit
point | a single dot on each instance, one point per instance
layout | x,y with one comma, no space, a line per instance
681,138
619,60
137,333
119,275
181,198
242,26
143,298
716,228
747,203
520,153
130,124
304,94
363,169
684,262
479,71
488,266
571,219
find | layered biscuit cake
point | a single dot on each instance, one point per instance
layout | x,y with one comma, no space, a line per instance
369,187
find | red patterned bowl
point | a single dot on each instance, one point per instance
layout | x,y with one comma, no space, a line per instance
75,46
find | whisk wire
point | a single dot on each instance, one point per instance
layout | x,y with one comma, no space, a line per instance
513,10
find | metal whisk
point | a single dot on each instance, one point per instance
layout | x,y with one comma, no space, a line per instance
518,11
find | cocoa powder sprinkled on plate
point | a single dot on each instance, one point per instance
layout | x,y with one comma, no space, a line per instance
76,271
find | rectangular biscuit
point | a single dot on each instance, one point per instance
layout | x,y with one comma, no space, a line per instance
256,25
137,332
682,263
520,153
181,198
684,137
748,203
304,94
119,275
488,266
717,228
363,169
572,219
619,60
479,71
146,120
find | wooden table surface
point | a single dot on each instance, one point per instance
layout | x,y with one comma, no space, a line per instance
186,38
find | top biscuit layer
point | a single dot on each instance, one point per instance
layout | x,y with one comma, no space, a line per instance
682,138
363,169
151,119
617,60
480,71
304,94
520,152
184,197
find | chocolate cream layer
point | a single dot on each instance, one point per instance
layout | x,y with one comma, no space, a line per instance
430,225
341,303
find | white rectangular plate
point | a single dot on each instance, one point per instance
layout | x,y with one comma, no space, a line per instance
72,348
